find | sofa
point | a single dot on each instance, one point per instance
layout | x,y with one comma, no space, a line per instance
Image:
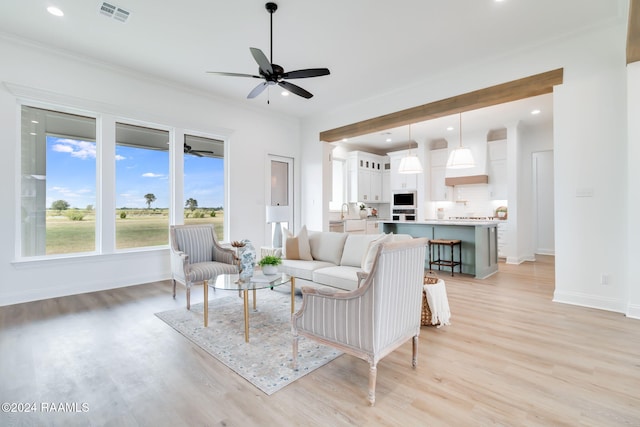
335,258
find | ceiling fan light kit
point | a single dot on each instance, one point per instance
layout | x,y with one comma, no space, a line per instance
274,74
461,157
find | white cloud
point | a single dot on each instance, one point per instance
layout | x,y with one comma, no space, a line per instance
152,175
79,149
119,157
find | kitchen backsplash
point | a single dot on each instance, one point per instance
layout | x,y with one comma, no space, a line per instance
468,200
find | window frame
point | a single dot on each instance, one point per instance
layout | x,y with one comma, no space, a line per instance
105,203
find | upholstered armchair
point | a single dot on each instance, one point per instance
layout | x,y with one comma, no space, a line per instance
197,256
376,318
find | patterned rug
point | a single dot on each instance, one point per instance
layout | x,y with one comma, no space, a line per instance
266,360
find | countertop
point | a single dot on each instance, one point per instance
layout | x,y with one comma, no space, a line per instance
465,222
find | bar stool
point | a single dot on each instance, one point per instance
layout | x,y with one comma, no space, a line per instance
451,243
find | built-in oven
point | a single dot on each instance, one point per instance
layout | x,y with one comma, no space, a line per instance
404,206
404,200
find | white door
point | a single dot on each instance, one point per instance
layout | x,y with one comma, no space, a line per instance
543,202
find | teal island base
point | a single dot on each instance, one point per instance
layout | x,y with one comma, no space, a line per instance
479,241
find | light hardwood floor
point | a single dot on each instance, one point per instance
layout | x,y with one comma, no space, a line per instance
510,357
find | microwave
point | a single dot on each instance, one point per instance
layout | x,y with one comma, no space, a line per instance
404,200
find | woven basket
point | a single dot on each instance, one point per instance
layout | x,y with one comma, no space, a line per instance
430,278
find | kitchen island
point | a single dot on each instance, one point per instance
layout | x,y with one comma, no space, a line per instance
479,240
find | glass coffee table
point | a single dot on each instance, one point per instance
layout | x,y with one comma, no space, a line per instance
231,282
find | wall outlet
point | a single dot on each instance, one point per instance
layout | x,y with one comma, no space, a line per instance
604,279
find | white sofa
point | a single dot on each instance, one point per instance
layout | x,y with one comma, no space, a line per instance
337,259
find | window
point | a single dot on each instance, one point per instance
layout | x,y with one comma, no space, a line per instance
82,192
58,183
339,187
142,186
204,182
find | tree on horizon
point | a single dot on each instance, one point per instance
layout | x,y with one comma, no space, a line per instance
192,204
150,198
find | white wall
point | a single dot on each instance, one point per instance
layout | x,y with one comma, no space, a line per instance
633,188
589,146
59,78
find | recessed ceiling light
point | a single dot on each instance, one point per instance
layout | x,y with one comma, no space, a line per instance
534,112
32,133
345,139
55,11
285,93
450,128
389,140
34,121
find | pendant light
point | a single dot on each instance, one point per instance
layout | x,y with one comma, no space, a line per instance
410,164
461,157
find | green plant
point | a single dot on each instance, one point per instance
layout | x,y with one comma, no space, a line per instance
75,215
270,260
123,214
362,206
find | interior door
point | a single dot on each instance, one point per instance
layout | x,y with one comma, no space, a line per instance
543,202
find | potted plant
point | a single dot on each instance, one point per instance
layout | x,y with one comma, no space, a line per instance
363,210
270,264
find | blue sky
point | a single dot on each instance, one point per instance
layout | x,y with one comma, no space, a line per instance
71,175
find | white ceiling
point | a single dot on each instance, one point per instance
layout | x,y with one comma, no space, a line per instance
371,47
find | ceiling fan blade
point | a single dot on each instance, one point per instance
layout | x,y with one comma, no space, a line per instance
220,73
295,89
262,60
257,90
200,153
309,72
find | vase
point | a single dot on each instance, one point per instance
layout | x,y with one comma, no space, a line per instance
247,255
269,269
363,213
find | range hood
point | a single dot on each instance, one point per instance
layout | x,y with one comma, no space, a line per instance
465,180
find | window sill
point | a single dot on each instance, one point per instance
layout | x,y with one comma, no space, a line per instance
55,260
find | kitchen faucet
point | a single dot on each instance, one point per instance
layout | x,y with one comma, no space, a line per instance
342,210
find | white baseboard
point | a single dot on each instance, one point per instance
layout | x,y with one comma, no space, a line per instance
633,311
591,301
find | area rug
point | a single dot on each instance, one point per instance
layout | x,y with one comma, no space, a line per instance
265,361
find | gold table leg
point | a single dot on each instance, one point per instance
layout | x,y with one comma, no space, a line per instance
293,294
206,303
246,315
254,300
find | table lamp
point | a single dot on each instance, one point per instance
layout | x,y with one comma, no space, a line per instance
276,215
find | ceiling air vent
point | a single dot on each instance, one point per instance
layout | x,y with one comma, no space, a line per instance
115,12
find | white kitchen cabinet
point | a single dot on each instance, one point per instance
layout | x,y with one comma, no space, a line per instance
502,239
439,191
365,177
498,170
402,181
373,227
386,184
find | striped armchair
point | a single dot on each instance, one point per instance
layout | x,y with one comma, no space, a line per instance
375,319
196,256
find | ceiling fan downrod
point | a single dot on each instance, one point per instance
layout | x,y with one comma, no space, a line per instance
271,7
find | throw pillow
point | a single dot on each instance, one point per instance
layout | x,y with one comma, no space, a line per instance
296,247
372,249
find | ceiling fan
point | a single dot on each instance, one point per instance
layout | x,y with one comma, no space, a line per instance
199,153
274,74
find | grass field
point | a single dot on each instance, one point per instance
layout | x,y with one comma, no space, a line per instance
137,230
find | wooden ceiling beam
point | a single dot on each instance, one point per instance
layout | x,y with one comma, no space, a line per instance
527,87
